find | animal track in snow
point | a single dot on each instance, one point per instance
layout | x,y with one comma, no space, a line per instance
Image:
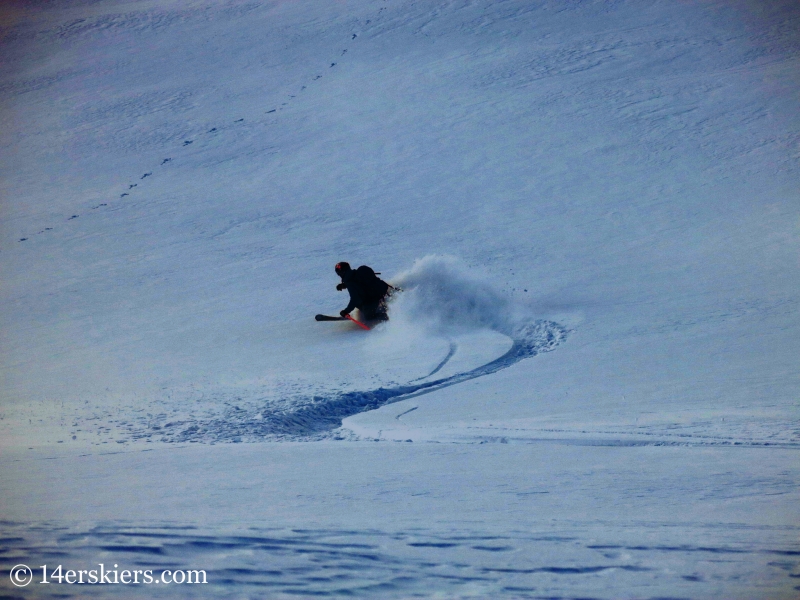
190,141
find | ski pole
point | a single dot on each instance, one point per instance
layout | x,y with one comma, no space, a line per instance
357,322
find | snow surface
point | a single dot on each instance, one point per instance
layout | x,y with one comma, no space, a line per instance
589,383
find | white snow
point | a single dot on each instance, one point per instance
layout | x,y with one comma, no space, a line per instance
588,386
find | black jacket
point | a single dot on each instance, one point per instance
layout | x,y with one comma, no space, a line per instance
366,290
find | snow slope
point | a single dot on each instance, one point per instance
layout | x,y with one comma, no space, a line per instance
592,208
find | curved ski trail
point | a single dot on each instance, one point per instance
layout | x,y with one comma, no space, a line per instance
318,416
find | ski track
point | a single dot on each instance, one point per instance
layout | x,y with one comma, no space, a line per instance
316,417
451,352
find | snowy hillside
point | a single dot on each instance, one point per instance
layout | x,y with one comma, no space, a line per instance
588,386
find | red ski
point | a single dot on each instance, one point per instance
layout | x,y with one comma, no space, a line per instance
347,318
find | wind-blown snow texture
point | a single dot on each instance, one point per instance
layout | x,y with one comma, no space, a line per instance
588,387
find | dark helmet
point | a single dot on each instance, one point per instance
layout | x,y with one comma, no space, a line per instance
342,267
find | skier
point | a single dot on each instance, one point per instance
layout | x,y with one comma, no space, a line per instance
368,293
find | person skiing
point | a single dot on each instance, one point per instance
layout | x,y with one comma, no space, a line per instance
368,293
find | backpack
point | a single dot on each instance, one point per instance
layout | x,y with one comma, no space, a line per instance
374,287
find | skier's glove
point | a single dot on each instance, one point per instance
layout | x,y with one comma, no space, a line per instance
340,287
343,313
